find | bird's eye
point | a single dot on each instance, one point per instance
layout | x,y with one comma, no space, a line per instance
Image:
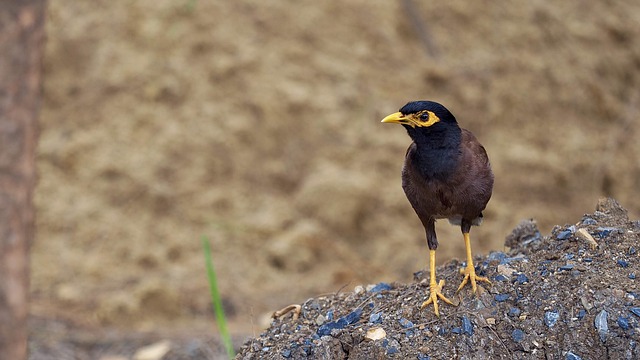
424,117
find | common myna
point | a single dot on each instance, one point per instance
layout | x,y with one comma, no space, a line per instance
446,175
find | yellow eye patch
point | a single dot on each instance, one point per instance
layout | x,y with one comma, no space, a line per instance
423,118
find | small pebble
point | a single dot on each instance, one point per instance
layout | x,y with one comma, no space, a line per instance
392,350
632,250
341,323
286,353
406,323
467,326
517,335
353,317
500,277
601,325
551,317
603,232
567,267
572,356
423,357
522,279
514,312
380,287
588,221
587,260
623,263
569,256
375,318
329,315
635,311
632,276
581,314
456,330
563,235
623,322
496,255
501,297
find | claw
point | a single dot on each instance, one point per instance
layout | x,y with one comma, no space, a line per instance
470,276
435,292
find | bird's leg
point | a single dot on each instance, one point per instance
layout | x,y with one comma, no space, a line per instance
470,271
435,289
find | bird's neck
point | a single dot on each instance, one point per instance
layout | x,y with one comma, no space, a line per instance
437,150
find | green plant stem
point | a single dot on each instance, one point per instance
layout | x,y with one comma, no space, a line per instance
221,320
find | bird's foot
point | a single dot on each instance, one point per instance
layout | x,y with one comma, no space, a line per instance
435,292
470,276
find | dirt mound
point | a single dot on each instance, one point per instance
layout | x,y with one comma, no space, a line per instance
572,294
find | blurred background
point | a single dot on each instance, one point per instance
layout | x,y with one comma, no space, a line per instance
257,124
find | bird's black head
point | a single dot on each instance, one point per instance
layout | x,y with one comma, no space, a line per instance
427,113
425,118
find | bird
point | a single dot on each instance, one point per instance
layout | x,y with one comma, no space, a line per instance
446,175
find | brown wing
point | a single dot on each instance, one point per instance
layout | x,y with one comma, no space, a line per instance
474,177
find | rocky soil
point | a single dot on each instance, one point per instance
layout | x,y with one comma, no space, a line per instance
570,295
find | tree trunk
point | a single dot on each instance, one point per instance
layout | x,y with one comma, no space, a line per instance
21,50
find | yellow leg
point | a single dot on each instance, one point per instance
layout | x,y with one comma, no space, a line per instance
435,289
470,271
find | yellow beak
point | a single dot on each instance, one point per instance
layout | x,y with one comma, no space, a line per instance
396,118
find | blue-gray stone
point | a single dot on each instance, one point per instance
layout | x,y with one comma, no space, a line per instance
341,323
286,353
632,276
517,335
572,356
563,235
456,330
522,278
603,232
587,260
353,317
623,263
551,318
601,325
380,287
588,221
632,250
326,328
330,315
467,326
375,318
423,357
265,349
392,350
496,255
500,277
581,314
623,322
569,256
567,267
406,323
501,297
635,311
514,312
